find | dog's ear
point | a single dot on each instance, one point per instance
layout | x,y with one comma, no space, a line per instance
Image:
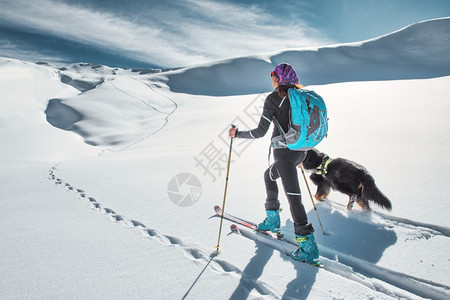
311,159
317,153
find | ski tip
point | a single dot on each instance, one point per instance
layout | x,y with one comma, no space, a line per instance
217,209
234,228
317,264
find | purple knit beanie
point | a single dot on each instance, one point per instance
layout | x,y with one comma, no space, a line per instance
286,74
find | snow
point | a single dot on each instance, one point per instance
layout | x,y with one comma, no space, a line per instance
88,153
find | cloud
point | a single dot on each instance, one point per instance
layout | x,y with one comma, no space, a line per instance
171,34
11,49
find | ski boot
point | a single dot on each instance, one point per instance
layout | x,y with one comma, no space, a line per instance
307,250
271,222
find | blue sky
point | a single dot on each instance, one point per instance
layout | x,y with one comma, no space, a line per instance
174,33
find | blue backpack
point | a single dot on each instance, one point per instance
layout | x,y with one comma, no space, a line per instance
308,124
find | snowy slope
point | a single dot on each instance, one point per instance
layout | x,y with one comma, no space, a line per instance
421,50
88,154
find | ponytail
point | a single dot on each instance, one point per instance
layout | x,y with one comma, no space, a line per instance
283,89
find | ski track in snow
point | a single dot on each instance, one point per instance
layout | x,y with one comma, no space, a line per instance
363,272
119,149
416,285
431,229
190,252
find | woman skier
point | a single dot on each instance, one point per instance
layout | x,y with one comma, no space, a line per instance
277,107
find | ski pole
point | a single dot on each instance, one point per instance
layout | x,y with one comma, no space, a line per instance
225,192
310,195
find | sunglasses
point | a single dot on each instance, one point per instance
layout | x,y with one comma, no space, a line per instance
272,74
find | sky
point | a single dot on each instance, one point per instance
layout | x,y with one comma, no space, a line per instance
178,33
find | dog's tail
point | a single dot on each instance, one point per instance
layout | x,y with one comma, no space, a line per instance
370,192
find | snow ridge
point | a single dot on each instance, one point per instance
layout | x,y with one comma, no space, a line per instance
421,50
133,108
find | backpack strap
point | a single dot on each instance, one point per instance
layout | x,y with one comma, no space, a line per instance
280,141
270,153
280,129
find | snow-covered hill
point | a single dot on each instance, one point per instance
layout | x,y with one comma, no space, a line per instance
421,50
91,156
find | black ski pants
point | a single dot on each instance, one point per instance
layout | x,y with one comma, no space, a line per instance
285,167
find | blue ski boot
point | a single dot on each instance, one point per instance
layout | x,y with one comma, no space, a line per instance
307,250
272,222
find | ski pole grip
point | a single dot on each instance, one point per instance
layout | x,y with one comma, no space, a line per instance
234,127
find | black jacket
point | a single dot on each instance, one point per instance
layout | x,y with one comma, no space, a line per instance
274,107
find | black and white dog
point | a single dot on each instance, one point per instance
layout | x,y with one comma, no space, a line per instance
346,177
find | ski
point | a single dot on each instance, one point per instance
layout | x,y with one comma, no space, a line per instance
285,247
